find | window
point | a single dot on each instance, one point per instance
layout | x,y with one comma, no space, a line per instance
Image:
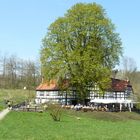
41,94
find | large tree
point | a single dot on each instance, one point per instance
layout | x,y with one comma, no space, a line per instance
82,46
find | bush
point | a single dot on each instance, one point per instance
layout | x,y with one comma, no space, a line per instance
2,105
55,111
1,108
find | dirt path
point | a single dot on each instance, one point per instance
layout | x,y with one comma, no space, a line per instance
4,113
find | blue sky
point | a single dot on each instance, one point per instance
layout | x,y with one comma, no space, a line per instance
23,24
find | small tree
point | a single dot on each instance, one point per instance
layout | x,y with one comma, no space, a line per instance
55,111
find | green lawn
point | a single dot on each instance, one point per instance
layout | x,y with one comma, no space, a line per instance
15,95
40,126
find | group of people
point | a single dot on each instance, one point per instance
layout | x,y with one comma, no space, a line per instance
9,104
35,106
86,108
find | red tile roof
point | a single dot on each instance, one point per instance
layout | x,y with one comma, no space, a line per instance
52,85
119,85
116,85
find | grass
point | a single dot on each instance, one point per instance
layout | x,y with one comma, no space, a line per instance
15,95
40,126
108,116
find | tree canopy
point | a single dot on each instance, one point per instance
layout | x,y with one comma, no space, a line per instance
82,46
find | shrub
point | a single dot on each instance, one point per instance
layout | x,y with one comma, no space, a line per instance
1,108
55,111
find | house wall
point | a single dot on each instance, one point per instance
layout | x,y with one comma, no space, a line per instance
112,95
61,97
53,96
109,95
46,96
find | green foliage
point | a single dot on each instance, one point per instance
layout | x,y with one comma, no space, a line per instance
55,111
16,96
2,106
81,46
138,105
